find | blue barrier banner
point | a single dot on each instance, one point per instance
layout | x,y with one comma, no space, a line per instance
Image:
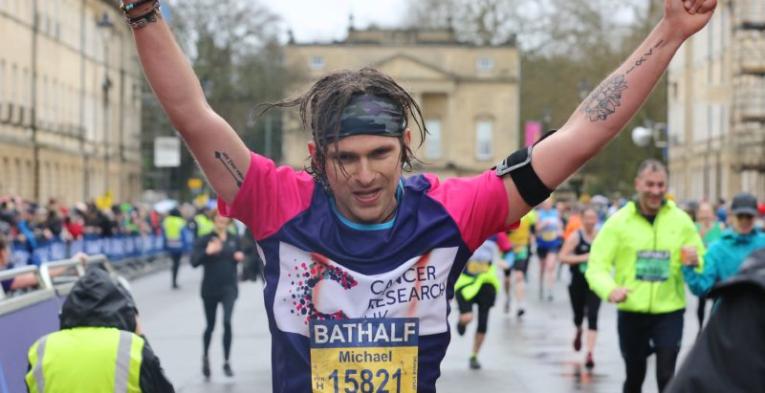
20,255
76,246
58,250
20,330
3,384
93,245
128,246
159,243
41,253
116,248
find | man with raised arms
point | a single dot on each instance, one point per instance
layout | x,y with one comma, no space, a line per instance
351,219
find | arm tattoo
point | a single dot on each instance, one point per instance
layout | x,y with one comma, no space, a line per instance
608,96
228,163
645,57
605,99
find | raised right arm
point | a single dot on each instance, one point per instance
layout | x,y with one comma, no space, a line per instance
217,148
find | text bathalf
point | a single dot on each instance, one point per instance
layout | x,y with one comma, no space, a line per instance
363,332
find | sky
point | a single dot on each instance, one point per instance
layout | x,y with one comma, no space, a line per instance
327,20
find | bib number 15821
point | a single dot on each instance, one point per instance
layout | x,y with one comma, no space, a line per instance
366,381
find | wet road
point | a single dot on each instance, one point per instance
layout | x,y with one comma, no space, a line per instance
529,355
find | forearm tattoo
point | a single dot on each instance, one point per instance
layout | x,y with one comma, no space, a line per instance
228,163
604,101
645,57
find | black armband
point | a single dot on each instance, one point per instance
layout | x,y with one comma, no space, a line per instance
529,185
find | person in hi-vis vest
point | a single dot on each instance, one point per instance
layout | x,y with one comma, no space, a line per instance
99,347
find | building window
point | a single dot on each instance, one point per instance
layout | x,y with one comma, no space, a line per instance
14,83
316,62
484,64
2,81
483,140
433,143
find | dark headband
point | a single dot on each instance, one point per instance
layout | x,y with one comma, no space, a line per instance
367,114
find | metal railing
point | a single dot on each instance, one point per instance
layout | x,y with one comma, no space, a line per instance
55,278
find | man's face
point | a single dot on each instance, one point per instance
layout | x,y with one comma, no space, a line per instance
651,186
743,223
363,172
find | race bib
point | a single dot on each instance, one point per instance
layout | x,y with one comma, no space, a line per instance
652,265
521,252
549,236
364,355
474,268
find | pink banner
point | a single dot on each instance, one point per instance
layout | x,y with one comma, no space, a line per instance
533,131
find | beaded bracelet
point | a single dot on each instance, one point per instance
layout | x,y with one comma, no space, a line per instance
127,7
142,20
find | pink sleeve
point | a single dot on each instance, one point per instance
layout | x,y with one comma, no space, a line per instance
503,243
477,204
269,197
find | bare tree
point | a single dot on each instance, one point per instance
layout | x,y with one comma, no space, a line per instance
235,52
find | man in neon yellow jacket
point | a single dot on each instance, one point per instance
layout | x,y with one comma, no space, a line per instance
636,262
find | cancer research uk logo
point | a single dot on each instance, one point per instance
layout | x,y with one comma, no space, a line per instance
314,288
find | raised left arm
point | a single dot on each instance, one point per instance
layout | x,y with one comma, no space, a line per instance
613,103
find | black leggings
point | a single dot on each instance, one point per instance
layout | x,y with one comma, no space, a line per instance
639,334
211,306
583,299
176,265
485,301
701,311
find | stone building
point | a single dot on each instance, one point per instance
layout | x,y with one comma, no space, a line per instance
469,94
69,101
717,106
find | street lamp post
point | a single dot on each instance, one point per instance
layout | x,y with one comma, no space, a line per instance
652,133
107,26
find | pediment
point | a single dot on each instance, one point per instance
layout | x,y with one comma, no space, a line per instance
407,67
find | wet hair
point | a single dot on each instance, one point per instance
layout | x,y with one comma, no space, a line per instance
322,106
651,165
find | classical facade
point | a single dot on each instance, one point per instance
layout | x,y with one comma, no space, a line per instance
70,101
717,106
469,94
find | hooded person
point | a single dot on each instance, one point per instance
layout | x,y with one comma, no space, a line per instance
729,355
99,348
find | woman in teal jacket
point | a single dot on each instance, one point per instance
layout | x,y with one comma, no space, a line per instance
724,257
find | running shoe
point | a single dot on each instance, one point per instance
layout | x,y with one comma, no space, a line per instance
520,312
589,363
578,340
227,370
474,364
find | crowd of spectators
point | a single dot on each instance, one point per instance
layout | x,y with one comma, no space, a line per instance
28,226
